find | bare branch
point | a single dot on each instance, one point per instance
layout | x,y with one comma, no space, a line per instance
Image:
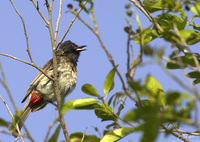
28,63
25,33
61,40
55,73
36,6
82,140
12,118
49,129
58,19
4,83
146,12
175,134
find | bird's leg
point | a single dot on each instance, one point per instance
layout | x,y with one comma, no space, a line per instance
51,102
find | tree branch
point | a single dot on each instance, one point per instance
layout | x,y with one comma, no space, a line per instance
4,83
12,118
146,12
76,15
175,134
25,33
36,6
49,129
55,73
28,63
58,20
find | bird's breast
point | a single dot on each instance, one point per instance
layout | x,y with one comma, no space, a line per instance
66,78
66,81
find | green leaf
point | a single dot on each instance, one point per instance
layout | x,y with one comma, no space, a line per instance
155,89
117,134
90,90
149,119
3,123
150,129
194,74
190,36
195,26
128,30
147,112
196,81
157,5
54,137
85,103
173,98
147,36
109,82
77,137
104,112
15,119
171,37
167,21
135,85
196,8
181,62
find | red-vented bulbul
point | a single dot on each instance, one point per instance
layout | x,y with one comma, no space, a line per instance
41,90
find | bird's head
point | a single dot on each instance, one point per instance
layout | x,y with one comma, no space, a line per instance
70,50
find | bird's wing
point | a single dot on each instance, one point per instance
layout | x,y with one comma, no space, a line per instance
38,78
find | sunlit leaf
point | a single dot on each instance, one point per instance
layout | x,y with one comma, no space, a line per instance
78,137
90,90
109,82
117,134
85,103
156,90
167,21
190,36
104,112
157,5
196,8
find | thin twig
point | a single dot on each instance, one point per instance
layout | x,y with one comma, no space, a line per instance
55,73
110,58
58,20
175,134
21,137
49,129
25,33
128,50
28,63
28,135
4,83
146,12
36,6
61,40
82,140
183,132
6,106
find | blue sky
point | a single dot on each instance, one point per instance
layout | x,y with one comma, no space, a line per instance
93,64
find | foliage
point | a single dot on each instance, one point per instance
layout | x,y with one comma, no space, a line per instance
154,110
154,107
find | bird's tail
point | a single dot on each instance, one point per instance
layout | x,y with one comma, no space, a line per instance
22,119
24,116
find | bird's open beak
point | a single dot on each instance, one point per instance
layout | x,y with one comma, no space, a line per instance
80,48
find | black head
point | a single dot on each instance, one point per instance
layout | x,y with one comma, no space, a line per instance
70,50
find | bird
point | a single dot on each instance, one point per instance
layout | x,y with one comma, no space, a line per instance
41,90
